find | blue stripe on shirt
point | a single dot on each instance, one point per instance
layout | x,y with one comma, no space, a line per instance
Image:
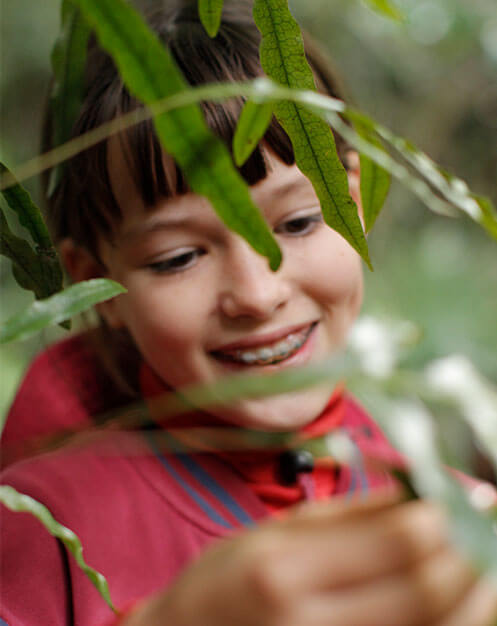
215,488
200,501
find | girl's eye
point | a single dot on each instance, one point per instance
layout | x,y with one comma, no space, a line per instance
177,263
300,226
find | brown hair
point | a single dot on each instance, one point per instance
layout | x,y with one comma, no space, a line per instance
84,207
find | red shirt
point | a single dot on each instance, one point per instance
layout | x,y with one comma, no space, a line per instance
141,515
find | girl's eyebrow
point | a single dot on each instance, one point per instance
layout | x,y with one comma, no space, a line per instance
164,223
175,219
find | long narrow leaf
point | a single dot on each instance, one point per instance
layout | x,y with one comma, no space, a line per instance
452,189
386,8
40,270
210,12
283,60
474,396
252,124
58,308
477,207
68,64
24,260
150,73
27,212
22,503
374,181
410,429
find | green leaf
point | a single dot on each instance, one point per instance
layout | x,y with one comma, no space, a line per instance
58,308
410,428
25,263
27,212
386,8
150,73
474,397
68,64
374,180
210,12
488,218
253,123
283,59
22,503
38,271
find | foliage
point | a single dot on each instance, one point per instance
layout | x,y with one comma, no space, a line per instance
22,503
58,308
252,124
37,270
210,14
150,74
283,59
68,63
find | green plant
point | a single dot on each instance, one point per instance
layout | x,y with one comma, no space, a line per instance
306,116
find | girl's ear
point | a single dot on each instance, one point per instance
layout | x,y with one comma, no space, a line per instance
82,265
79,262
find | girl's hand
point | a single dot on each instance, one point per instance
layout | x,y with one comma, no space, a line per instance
374,562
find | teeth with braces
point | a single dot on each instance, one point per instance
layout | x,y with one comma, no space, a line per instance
270,354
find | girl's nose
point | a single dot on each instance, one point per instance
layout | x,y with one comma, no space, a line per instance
250,288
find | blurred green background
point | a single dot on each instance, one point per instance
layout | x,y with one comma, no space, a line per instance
432,79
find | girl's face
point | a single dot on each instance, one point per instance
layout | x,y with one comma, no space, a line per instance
201,304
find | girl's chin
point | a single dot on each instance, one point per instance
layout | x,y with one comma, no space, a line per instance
286,412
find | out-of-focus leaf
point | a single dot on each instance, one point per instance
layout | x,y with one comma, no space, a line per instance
253,123
452,189
58,308
150,73
476,398
210,12
454,195
488,217
283,59
374,180
262,90
22,503
410,429
68,64
386,8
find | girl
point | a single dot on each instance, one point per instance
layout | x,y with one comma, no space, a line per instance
201,304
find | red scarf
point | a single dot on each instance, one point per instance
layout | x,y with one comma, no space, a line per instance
258,468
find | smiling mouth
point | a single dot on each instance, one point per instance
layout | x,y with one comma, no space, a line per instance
270,353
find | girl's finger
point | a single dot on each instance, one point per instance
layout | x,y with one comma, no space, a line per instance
478,608
350,552
344,507
414,598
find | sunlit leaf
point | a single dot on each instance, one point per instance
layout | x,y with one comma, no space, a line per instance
410,428
386,8
150,73
374,180
263,90
58,308
68,64
22,503
210,12
283,59
452,189
475,397
253,123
